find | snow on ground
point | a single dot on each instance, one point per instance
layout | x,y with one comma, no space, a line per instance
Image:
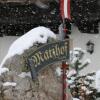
39,34
9,84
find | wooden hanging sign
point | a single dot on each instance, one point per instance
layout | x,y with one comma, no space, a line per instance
47,54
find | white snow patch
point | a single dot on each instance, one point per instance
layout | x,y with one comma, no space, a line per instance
90,77
83,88
72,85
74,60
72,72
73,78
86,82
76,99
9,84
24,74
88,92
77,49
86,62
58,71
76,52
97,81
70,81
3,70
39,34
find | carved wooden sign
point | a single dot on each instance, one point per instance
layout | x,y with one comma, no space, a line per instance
47,54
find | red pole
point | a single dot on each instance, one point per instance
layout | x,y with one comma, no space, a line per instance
64,77
64,65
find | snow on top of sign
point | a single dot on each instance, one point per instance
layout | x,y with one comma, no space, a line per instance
37,35
9,84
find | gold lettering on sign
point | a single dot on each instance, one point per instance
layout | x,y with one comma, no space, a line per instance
46,55
52,52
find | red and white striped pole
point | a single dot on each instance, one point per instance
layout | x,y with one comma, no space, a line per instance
65,14
65,10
